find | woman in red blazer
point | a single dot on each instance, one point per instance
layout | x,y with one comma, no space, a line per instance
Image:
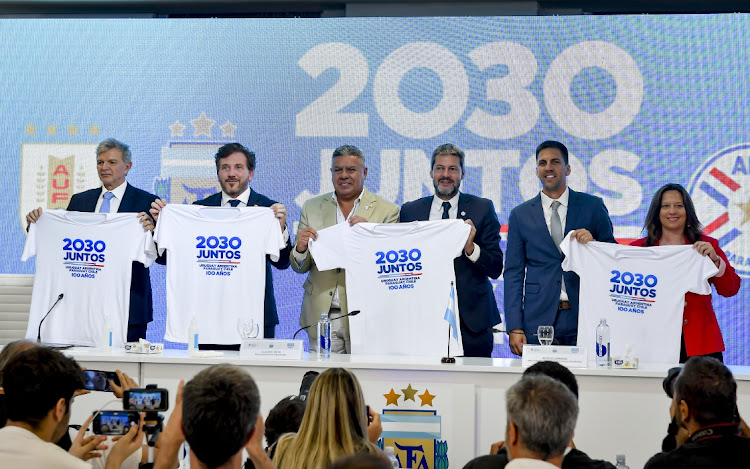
671,220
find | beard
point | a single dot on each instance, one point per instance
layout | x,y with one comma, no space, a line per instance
447,192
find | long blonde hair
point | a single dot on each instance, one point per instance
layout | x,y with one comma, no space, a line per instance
334,425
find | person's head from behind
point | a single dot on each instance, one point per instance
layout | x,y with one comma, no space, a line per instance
9,352
705,393
39,385
285,417
220,407
556,371
362,461
542,415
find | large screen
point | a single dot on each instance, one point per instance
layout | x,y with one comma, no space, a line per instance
639,100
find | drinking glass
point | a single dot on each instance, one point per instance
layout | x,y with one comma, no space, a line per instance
545,334
247,328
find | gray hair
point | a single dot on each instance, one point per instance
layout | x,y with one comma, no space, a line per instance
545,413
348,150
448,149
10,351
111,143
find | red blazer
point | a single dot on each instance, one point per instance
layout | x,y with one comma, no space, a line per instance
699,325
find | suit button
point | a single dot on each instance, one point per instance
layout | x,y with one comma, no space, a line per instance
338,271
685,304
685,321
330,293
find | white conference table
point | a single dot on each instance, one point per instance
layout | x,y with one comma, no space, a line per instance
621,411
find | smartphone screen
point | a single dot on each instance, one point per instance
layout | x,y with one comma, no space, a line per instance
99,380
109,422
146,399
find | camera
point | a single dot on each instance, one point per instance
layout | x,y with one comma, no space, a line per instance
668,383
113,422
146,400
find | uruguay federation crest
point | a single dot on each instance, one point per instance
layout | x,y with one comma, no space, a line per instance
52,172
720,189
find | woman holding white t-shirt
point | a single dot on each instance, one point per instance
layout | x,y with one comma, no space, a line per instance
671,220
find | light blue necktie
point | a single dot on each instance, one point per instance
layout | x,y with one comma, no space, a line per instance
105,203
555,225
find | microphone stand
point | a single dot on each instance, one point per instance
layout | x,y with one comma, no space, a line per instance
353,313
39,331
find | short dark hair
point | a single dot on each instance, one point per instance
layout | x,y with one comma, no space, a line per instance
448,149
219,409
556,371
652,225
709,389
35,380
229,148
553,144
285,417
348,150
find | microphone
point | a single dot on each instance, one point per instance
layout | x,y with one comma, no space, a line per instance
39,331
353,313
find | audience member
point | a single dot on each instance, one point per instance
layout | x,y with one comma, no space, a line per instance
217,412
285,417
335,425
573,458
39,386
704,403
361,461
6,355
541,414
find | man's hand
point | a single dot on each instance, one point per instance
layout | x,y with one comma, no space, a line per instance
582,235
126,382
172,437
374,426
303,239
85,447
469,246
145,220
33,216
125,445
280,212
254,446
497,447
517,339
156,207
357,219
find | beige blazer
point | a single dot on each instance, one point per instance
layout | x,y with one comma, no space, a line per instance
319,213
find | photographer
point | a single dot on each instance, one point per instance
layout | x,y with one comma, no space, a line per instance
218,413
704,405
39,386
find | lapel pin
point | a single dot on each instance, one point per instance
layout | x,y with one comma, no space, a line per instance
463,214
367,207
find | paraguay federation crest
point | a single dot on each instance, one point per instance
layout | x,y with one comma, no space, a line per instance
720,189
52,172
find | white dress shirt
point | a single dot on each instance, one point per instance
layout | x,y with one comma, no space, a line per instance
436,213
114,203
244,198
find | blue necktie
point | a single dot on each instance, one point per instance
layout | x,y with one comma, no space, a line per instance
105,203
234,202
446,209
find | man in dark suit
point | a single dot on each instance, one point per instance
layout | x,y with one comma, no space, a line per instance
235,167
113,161
482,257
535,293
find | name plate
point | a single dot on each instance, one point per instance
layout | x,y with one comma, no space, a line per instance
567,355
271,349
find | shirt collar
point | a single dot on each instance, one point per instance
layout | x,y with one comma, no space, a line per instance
437,202
356,201
118,191
547,200
244,197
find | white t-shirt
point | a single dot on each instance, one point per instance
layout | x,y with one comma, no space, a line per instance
399,276
641,293
21,448
87,257
216,268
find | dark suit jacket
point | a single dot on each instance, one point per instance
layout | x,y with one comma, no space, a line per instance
133,201
476,301
270,314
533,265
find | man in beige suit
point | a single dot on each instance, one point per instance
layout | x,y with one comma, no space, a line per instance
349,202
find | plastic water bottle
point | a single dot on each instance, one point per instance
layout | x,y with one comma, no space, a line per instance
193,337
324,337
602,344
106,343
621,462
390,452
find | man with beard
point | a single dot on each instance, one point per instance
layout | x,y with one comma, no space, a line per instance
235,167
482,258
537,292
